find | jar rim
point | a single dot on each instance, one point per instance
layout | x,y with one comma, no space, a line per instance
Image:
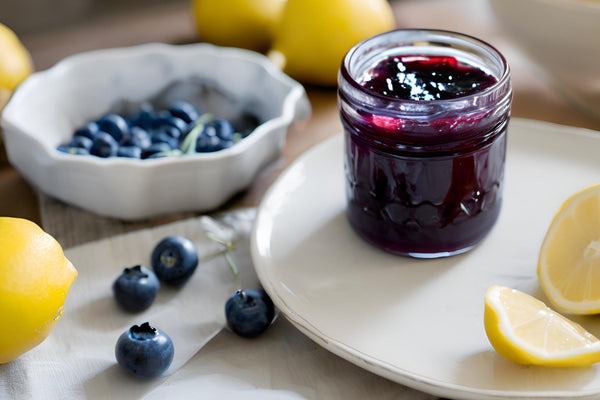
501,81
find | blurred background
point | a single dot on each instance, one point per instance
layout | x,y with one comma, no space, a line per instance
34,16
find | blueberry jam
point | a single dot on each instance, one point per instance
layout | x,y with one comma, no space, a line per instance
414,77
425,142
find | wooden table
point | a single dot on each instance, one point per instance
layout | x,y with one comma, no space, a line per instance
534,98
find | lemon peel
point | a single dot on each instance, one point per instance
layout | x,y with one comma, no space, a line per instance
312,36
15,61
35,278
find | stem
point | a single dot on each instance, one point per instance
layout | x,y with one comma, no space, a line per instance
228,247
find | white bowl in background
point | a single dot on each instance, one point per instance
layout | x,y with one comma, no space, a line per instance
48,106
562,37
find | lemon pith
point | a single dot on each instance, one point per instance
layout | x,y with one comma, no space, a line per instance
35,278
524,330
569,260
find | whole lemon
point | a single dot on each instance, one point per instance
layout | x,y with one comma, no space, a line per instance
237,23
313,36
15,61
35,277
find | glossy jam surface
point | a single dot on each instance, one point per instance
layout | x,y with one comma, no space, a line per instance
415,77
429,200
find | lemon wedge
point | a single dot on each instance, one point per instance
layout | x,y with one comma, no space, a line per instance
569,260
524,330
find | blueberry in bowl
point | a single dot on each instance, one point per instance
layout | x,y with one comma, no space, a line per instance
145,350
240,86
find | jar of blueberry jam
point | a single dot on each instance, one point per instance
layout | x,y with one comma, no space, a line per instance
425,114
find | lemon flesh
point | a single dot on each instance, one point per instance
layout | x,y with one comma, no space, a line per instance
313,36
569,260
35,278
524,330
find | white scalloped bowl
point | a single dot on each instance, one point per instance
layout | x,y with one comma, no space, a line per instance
46,109
561,38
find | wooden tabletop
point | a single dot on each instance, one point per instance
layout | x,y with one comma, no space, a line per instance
534,97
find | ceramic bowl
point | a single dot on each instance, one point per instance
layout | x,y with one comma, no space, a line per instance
227,82
561,38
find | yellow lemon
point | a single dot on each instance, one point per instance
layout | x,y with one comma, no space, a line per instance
313,36
524,330
238,23
569,260
15,61
35,277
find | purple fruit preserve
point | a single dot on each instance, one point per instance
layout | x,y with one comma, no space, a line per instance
425,115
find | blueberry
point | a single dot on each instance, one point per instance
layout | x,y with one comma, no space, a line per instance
135,289
115,125
129,152
208,143
163,121
174,259
72,150
104,145
155,148
143,118
137,137
145,350
223,128
249,312
89,130
83,142
173,132
184,110
160,154
163,137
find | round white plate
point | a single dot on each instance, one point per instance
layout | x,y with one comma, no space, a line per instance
420,322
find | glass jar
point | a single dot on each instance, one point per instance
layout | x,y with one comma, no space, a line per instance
424,176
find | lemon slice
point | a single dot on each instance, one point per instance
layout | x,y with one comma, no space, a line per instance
569,261
524,330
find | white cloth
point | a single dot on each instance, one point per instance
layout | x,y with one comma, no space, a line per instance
77,360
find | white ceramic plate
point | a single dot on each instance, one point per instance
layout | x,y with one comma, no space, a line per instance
420,322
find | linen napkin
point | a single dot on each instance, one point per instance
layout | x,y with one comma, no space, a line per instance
77,360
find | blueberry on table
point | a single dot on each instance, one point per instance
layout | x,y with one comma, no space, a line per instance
145,350
174,259
249,312
135,289
115,125
184,110
104,145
